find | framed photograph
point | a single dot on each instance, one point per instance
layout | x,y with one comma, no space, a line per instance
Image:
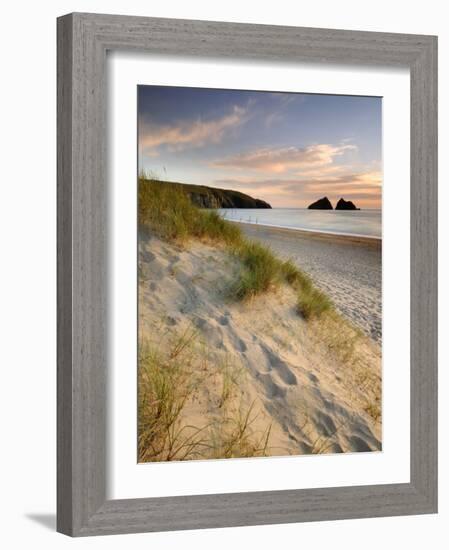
247,280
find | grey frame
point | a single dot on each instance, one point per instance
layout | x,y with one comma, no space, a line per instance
83,40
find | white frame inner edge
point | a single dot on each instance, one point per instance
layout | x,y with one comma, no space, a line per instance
126,478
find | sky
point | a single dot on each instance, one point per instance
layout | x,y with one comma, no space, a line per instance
288,149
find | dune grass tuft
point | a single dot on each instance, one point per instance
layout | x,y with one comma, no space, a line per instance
263,271
260,270
169,212
313,303
165,384
295,277
234,438
173,375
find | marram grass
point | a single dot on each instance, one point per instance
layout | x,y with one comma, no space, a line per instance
169,378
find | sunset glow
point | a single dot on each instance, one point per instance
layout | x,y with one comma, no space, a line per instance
287,149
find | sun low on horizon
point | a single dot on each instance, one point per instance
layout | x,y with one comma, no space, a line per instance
288,149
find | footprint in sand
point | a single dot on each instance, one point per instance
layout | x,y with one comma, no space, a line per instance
200,323
147,255
276,363
335,448
237,342
326,424
358,444
241,345
171,321
271,388
173,259
152,269
212,332
363,432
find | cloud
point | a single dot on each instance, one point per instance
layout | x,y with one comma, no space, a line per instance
272,119
363,186
371,180
284,159
250,183
281,102
188,134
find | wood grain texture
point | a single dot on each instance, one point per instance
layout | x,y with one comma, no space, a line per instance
64,277
423,281
83,40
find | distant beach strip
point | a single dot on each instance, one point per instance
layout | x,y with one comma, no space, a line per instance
347,267
359,223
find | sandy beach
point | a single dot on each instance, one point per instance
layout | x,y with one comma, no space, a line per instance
258,367
348,269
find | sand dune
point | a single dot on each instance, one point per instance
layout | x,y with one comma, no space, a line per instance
298,392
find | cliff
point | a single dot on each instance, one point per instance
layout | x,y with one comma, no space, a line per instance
211,197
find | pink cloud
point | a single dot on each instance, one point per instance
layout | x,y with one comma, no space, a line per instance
372,180
280,160
189,133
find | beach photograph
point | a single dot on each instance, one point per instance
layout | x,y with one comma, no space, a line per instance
259,274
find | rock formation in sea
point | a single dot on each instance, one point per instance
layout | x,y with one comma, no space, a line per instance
346,205
321,204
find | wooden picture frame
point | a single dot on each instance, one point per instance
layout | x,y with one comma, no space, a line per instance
83,40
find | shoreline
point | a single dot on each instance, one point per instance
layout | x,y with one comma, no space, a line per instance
347,268
348,238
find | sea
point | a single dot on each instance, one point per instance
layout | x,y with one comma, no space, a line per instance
361,223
